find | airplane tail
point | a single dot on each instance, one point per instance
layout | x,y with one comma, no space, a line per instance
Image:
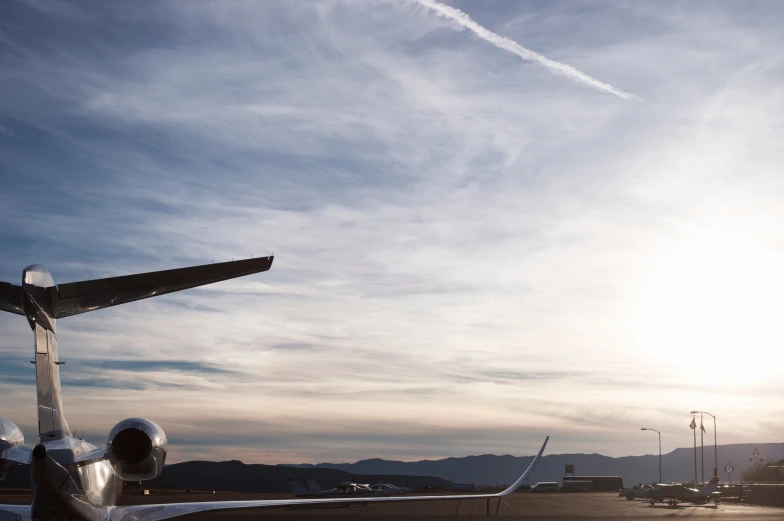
43,302
51,419
712,485
295,487
313,486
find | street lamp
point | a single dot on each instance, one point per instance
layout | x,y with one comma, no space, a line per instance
659,433
715,446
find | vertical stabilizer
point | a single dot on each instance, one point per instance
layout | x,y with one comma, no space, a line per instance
295,487
51,420
37,308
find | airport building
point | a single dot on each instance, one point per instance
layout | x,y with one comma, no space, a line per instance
591,483
461,487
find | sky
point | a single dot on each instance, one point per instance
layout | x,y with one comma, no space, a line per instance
491,221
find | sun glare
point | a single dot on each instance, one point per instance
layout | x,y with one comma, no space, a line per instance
714,306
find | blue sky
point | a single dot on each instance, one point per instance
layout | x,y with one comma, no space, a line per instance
472,249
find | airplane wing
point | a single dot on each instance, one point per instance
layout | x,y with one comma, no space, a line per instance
11,298
166,511
80,297
15,512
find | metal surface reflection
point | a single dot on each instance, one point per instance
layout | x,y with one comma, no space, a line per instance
76,481
72,479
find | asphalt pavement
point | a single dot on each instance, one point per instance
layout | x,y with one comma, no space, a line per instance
522,506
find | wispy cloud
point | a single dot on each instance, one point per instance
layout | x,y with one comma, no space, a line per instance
461,245
463,20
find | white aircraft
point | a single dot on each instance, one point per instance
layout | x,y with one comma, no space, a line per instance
345,489
388,489
76,481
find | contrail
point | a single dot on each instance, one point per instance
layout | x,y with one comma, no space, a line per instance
462,19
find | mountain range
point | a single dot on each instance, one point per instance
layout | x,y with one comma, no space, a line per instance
489,469
235,476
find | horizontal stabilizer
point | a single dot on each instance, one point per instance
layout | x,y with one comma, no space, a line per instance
19,454
11,298
80,297
91,457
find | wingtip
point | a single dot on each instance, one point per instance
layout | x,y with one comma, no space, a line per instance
527,472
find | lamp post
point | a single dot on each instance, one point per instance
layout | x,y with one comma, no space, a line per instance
659,433
702,449
715,446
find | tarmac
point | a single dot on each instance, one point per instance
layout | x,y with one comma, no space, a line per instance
523,506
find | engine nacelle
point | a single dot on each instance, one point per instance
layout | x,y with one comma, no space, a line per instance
11,437
137,449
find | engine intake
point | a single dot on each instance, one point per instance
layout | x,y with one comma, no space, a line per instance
137,449
11,437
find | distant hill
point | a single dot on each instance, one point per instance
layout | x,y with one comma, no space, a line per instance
239,477
677,465
236,476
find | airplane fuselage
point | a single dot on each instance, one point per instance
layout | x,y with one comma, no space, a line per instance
64,489
674,494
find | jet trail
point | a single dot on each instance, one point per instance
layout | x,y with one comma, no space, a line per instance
459,17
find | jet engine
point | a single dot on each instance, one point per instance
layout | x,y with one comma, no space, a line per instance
11,439
137,449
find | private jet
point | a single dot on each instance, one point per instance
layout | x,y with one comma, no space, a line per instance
675,494
388,489
346,489
73,480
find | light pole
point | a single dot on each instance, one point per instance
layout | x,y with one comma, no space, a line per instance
715,446
702,449
659,433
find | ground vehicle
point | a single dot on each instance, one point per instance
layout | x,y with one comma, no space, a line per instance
545,486
635,492
598,483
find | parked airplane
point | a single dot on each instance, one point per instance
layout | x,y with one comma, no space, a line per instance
675,494
388,489
380,489
73,480
346,489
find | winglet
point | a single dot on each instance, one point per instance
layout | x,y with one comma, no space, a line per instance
527,472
